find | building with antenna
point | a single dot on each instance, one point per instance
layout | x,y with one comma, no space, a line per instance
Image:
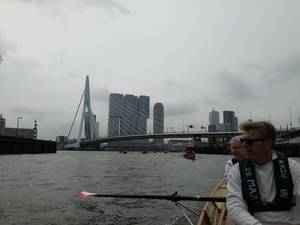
214,117
214,120
230,119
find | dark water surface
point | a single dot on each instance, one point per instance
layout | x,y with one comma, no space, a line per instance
43,189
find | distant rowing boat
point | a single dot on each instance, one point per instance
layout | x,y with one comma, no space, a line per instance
189,153
215,213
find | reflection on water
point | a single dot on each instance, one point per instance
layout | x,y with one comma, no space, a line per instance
43,189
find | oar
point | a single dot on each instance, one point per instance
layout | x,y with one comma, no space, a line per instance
174,197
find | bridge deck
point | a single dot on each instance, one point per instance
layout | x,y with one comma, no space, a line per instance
194,135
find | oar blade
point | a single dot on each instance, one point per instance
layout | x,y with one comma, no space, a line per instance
85,194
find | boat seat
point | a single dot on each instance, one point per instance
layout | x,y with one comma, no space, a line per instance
223,187
206,218
221,217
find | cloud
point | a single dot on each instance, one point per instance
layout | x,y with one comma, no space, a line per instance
8,55
5,46
111,4
255,79
172,84
287,69
101,94
237,87
102,4
39,112
175,58
207,97
276,71
27,110
179,109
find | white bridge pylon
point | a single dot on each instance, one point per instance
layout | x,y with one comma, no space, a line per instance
87,115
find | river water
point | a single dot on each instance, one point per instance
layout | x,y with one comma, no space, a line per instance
43,189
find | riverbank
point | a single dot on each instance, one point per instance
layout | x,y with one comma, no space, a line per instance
291,149
14,145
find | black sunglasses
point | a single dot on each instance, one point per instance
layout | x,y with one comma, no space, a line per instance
252,141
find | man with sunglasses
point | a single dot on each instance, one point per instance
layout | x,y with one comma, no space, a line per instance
264,188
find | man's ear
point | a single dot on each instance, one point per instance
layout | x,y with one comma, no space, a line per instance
269,142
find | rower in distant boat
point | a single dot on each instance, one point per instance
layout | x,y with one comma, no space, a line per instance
189,153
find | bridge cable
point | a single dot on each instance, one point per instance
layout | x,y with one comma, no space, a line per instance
133,129
76,113
130,129
133,110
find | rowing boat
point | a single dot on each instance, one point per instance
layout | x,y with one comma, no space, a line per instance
215,213
189,153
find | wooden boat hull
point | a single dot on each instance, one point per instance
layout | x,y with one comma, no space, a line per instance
215,213
189,156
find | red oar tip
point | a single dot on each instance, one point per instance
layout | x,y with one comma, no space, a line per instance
85,194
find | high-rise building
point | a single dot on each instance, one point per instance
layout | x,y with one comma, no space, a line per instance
115,114
214,117
230,122
158,120
130,115
127,114
235,124
214,120
223,127
143,114
229,118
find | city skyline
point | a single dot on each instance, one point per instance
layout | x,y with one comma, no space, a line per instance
191,56
214,115
230,121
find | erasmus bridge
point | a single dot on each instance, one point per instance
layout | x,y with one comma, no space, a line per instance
92,138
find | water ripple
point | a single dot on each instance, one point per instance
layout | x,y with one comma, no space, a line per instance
43,189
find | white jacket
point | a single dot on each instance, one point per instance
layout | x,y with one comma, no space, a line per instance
237,207
228,166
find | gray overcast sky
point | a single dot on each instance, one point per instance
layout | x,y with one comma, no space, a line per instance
191,55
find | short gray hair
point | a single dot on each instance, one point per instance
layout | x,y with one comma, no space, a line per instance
266,128
235,138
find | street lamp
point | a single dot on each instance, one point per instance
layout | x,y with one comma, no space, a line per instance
203,128
19,118
188,128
